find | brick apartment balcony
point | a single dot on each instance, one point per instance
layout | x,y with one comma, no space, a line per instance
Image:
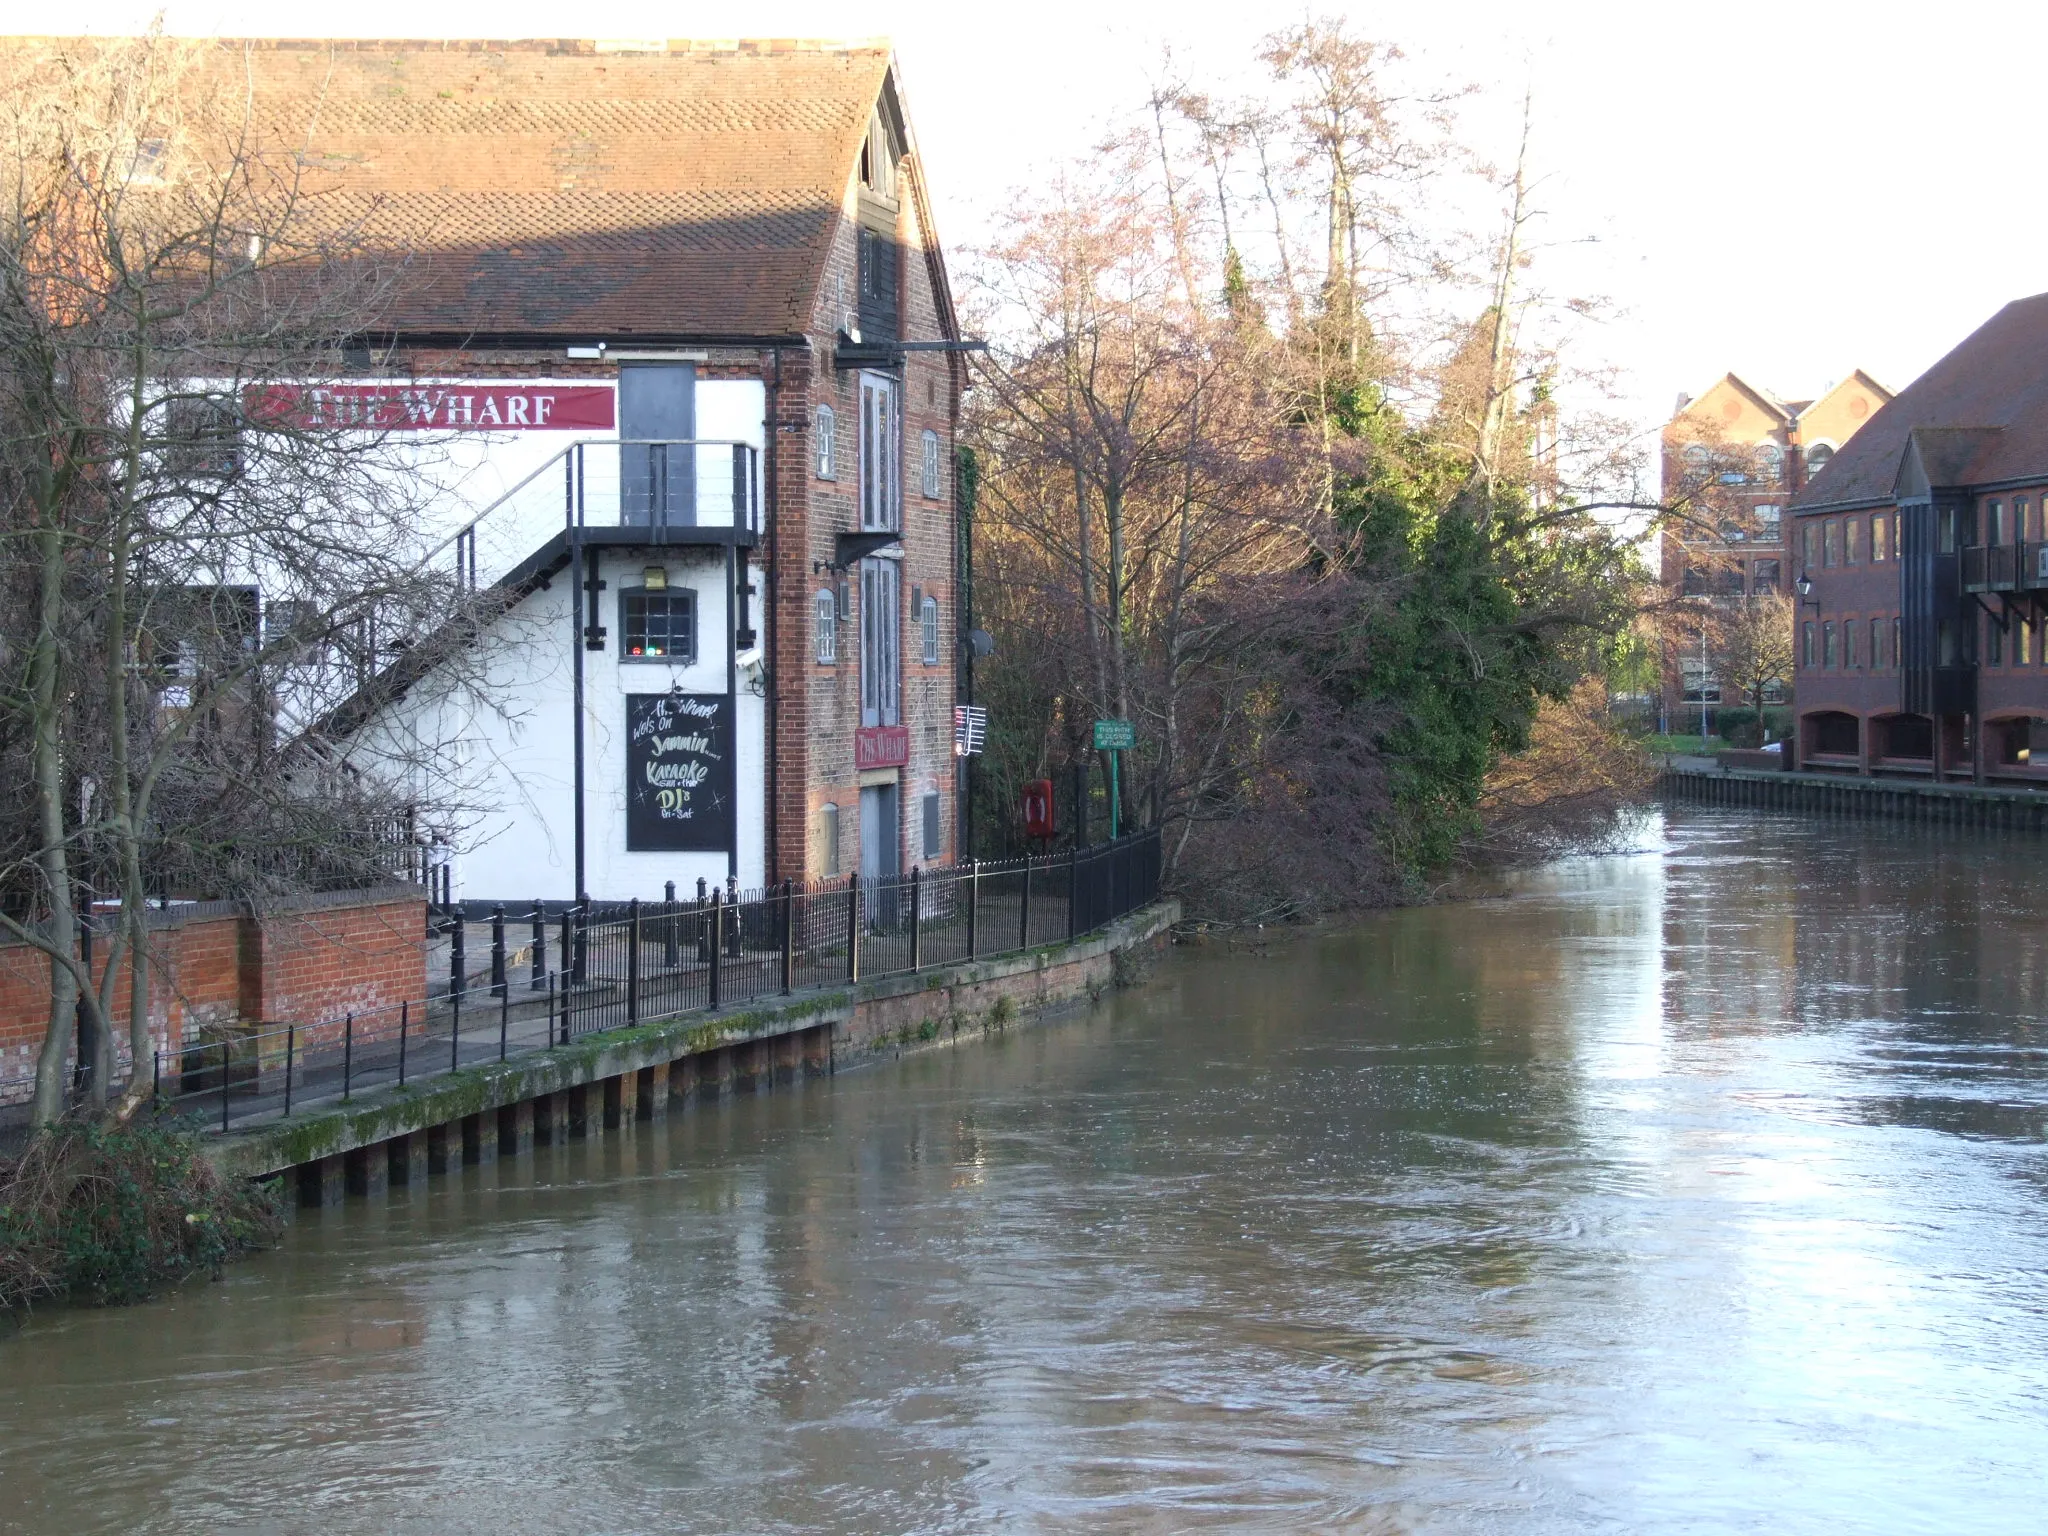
2019,567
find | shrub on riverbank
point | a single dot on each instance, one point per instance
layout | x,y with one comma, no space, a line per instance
112,1214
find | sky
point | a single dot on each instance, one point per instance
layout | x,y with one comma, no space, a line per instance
1787,194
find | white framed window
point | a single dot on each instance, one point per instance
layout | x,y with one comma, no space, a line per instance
825,435
881,639
928,629
881,454
1770,463
932,479
827,627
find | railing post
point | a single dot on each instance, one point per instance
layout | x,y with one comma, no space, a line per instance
1073,886
551,1013
458,959
454,1033
568,922
916,917
223,1086
1024,909
500,984
404,1029
671,946
788,935
853,927
504,1021
291,1040
348,1054
540,948
717,943
973,907
633,962
579,972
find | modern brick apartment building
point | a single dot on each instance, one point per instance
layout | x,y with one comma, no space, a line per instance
1920,650
1733,457
681,312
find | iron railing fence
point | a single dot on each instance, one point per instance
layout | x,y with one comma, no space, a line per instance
554,974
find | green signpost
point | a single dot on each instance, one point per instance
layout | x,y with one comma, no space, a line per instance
1114,737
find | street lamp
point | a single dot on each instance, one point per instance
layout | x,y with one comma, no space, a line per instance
1804,587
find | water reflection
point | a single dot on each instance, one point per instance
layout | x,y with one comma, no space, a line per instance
1698,1189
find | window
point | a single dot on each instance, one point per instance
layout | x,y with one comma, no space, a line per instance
931,485
1994,522
1994,641
2026,525
934,828
1695,457
1809,539
880,639
201,438
825,433
658,624
2023,643
1806,644
1817,458
877,270
827,621
298,624
1948,644
1694,582
1876,643
1830,542
1877,539
1827,644
1848,643
1852,541
1763,576
878,158
928,625
881,454
1770,463
146,165
1769,519
828,838
1700,684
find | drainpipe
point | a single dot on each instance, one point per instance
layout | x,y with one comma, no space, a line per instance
576,643
771,480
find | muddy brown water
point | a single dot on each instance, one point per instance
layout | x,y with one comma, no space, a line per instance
1695,1189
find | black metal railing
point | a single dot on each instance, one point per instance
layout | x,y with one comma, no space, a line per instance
546,976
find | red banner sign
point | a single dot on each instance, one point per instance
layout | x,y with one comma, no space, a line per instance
437,407
880,746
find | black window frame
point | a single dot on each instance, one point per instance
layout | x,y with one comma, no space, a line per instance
628,596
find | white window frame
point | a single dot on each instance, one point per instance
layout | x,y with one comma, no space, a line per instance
826,430
881,642
928,627
881,454
825,608
932,488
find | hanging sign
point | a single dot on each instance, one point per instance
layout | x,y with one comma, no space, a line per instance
435,407
679,772
880,746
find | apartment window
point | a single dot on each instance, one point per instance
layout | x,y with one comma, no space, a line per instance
931,486
828,838
2023,643
1830,542
1877,539
880,641
1827,644
1948,644
1817,458
201,438
2023,521
1852,541
658,624
825,435
1769,519
881,454
1699,683
934,828
928,627
1994,641
1848,643
1763,576
1994,522
826,622
1770,464
1806,644
1809,546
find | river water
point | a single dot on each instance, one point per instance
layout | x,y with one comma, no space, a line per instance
1696,1189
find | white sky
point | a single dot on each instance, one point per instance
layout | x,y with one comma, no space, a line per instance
1800,191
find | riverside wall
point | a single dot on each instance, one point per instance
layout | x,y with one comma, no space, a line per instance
606,1083
1950,805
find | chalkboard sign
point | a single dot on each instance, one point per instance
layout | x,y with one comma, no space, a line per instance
679,772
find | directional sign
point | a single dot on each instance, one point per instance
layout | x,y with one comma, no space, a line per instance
1115,735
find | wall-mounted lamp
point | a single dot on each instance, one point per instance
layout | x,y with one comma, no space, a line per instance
1804,587
655,578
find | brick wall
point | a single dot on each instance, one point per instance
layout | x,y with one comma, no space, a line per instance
216,968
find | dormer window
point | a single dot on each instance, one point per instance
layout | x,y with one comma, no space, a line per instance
878,155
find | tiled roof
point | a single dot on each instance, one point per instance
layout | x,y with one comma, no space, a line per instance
1981,415
563,188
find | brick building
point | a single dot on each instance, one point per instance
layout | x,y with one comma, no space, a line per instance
1922,550
1732,458
684,308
